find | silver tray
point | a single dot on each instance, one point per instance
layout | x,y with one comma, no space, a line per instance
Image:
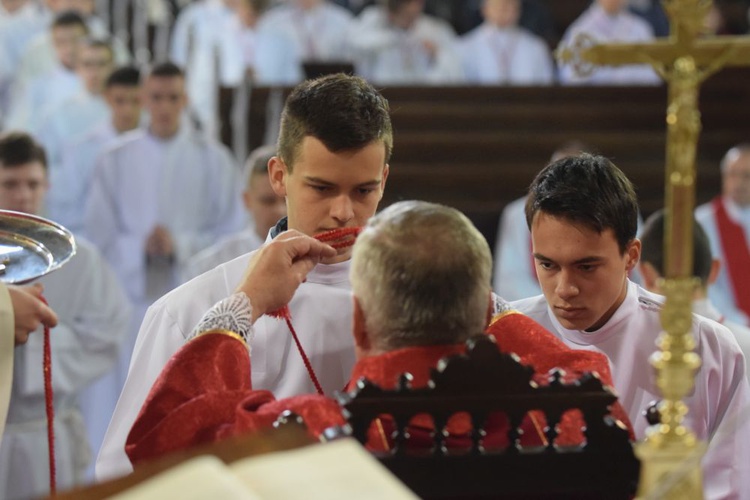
31,247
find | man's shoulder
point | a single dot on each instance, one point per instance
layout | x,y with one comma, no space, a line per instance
187,303
704,212
533,307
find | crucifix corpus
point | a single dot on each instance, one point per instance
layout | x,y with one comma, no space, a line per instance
671,454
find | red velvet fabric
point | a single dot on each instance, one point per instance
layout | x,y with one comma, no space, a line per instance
205,393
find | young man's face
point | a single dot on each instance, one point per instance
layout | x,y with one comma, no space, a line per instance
582,273
264,204
613,7
23,187
125,103
164,97
93,66
736,179
66,41
331,190
501,13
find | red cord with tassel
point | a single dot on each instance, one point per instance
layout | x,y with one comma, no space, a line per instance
49,404
338,239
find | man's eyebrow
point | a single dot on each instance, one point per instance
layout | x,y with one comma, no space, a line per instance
586,260
318,180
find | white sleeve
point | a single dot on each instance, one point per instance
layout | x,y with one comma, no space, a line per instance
514,277
158,339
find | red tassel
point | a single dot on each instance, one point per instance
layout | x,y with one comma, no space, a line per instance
337,238
48,402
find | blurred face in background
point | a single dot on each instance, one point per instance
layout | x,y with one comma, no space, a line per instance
407,14
164,97
501,13
263,203
736,177
125,104
11,6
612,7
67,40
23,187
94,64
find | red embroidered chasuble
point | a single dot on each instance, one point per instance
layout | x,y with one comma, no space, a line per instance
205,393
736,254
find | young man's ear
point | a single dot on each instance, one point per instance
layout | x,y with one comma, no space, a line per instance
633,252
277,173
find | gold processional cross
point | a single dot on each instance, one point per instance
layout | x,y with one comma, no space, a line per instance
670,454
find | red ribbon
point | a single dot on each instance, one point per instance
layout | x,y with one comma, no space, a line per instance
48,402
338,239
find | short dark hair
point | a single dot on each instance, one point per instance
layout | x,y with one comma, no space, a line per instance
652,246
19,148
69,18
166,69
396,5
344,112
125,76
587,189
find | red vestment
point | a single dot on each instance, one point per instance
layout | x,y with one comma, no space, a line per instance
205,392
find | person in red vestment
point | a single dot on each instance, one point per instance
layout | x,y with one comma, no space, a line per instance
420,277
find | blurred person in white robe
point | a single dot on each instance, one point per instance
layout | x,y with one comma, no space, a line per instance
249,14
398,44
300,31
726,220
66,202
204,44
36,99
22,312
264,208
82,112
39,57
93,317
705,267
609,21
500,52
159,194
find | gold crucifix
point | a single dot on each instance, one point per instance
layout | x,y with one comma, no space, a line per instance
670,453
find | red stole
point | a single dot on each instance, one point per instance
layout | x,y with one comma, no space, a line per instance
736,254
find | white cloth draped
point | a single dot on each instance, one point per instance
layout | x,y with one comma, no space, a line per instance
719,406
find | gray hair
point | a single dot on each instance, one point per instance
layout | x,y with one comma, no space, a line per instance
733,154
421,273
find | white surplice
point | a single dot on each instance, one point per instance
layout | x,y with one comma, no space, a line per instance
602,27
321,313
513,275
67,122
705,307
288,35
93,317
71,182
385,54
223,251
32,103
205,42
505,56
719,406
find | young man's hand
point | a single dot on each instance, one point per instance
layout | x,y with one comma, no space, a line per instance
278,268
29,311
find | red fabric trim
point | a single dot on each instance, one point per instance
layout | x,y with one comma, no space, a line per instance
736,254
